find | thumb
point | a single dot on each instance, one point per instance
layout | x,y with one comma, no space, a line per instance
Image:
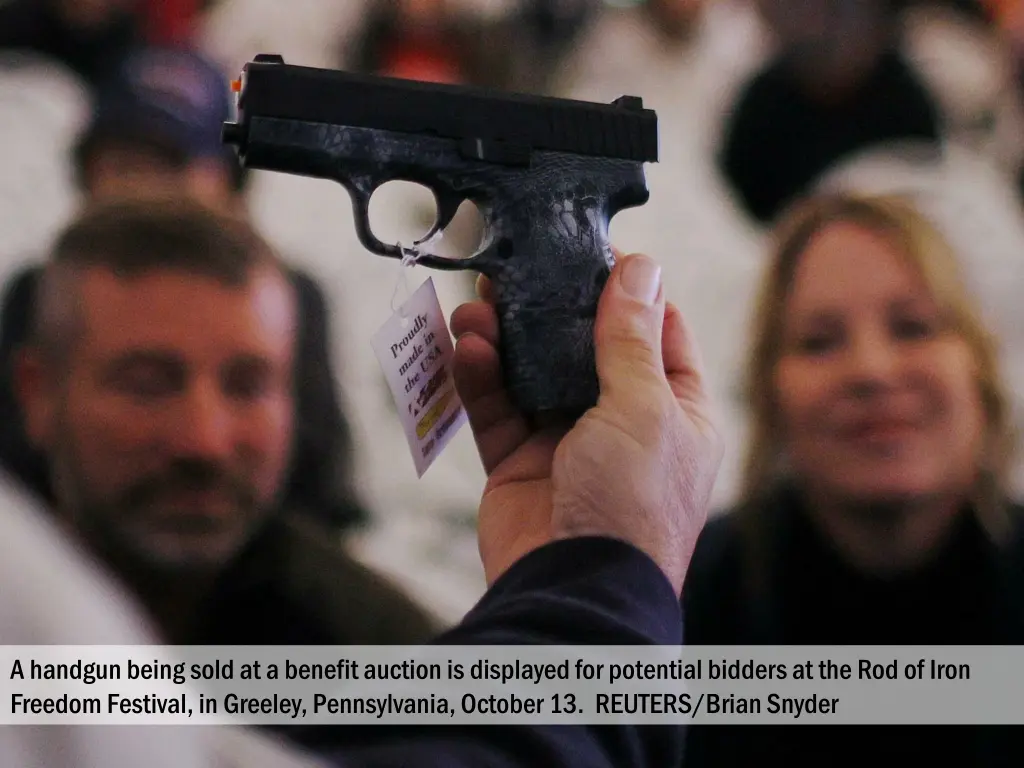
627,331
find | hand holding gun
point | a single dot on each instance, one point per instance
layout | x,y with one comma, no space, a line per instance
546,174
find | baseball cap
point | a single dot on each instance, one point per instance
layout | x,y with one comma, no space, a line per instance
173,99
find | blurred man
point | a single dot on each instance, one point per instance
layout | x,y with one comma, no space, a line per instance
90,37
155,131
415,40
159,385
93,37
838,86
549,33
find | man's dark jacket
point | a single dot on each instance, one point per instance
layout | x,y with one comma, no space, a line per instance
575,592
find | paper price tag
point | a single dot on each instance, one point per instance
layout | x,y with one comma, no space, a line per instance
415,351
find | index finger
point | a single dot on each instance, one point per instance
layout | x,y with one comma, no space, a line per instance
498,427
484,289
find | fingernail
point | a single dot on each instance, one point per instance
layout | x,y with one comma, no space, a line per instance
641,278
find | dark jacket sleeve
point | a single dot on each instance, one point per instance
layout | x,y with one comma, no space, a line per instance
18,24
578,592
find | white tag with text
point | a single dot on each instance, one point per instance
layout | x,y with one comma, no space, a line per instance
415,350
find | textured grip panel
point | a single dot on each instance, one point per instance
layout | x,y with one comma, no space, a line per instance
549,257
548,359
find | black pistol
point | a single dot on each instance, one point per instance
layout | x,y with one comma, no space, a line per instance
546,174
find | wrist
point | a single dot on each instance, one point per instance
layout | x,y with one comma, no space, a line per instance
499,559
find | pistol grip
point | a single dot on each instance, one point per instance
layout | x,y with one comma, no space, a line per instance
548,358
548,266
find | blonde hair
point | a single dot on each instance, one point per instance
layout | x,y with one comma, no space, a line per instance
928,251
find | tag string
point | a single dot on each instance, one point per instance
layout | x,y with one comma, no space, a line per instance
409,258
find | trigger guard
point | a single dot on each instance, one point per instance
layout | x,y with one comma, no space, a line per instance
360,191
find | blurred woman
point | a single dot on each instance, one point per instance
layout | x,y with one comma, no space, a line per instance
873,508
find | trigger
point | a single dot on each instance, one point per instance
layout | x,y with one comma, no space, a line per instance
447,206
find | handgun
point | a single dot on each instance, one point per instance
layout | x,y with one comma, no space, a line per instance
546,174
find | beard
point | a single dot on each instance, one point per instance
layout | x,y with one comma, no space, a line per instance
191,516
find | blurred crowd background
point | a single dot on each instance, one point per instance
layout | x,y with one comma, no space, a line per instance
759,101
